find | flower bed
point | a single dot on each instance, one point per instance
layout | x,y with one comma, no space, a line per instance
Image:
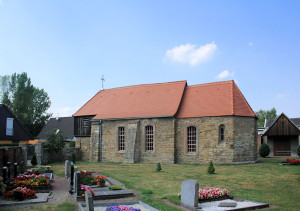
293,161
120,208
210,194
86,178
85,188
33,181
20,194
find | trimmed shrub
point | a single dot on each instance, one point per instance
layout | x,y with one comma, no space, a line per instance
73,158
34,160
211,168
158,167
298,150
17,195
264,150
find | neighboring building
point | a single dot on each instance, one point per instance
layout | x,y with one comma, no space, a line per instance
282,135
11,130
169,123
65,125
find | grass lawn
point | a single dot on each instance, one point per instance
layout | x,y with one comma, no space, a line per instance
265,181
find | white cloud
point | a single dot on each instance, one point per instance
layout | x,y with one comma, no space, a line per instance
250,44
224,74
191,54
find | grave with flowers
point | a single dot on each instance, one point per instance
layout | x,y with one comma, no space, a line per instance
100,186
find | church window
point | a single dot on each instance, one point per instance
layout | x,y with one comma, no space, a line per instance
149,138
221,133
121,138
191,139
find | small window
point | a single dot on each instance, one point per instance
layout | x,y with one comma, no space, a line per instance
9,126
149,138
222,133
191,139
121,138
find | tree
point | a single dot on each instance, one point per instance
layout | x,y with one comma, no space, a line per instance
265,114
55,140
27,102
158,167
34,160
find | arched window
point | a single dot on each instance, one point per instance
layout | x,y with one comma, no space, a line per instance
149,138
121,138
221,133
191,139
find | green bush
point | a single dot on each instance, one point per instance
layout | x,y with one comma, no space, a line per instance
73,158
72,144
34,160
55,141
158,167
298,150
17,195
264,150
211,168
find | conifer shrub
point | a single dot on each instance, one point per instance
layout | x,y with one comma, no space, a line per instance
264,150
211,168
73,158
158,167
298,150
34,160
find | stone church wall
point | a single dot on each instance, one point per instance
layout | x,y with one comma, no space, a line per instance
209,146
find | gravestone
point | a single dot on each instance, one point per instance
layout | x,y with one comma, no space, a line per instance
190,194
76,186
67,168
89,201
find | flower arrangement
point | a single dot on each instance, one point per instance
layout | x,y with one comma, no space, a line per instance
212,193
31,180
293,161
32,171
20,194
120,208
98,180
85,173
86,188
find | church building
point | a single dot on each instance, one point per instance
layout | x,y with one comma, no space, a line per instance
168,123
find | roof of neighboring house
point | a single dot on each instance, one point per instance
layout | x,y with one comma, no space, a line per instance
273,122
214,99
147,100
168,100
21,132
269,122
64,124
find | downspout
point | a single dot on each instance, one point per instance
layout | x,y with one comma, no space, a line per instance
100,140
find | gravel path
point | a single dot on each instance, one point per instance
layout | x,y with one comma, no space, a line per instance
60,191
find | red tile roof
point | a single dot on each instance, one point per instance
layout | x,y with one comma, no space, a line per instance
163,100
214,99
148,100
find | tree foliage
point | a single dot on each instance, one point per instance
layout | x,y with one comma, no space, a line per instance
265,114
55,140
27,102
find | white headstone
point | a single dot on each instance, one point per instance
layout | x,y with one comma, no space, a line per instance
190,194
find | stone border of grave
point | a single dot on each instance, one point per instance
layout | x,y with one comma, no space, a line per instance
41,198
90,206
190,196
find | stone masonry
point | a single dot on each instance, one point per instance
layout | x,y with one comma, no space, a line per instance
170,141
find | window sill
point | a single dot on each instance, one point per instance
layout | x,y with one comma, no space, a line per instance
121,151
191,153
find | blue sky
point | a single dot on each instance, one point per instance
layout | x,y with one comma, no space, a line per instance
66,46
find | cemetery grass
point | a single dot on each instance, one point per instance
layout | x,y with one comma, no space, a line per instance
265,181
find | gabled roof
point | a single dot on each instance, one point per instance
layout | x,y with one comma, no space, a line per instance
64,124
269,122
214,99
23,134
282,115
139,101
